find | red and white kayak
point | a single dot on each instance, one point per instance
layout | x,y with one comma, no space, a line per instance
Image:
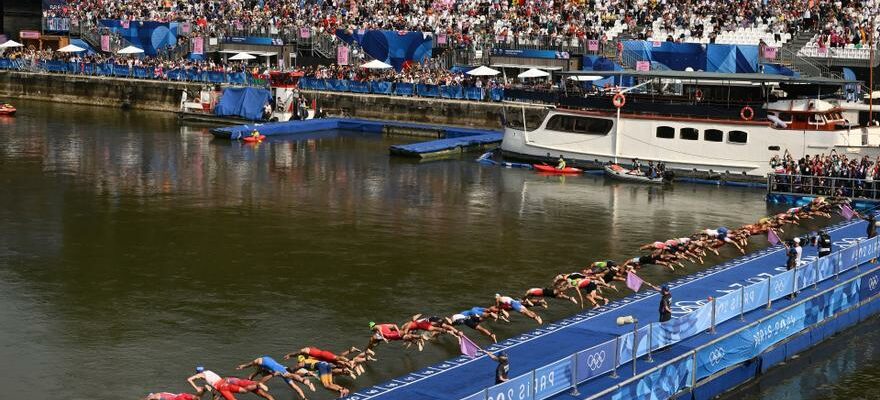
254,139
7,109
552,170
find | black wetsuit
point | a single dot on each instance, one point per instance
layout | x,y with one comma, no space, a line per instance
824,245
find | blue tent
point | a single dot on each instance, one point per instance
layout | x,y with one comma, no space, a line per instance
242,102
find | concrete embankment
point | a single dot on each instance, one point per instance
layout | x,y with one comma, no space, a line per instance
165,96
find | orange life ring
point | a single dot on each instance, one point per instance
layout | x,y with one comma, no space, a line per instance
747,113
699,95
619,100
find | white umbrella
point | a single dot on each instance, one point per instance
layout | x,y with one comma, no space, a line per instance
130,50
376,64
533,73
483,71
10,43
71,48
242,56
585,78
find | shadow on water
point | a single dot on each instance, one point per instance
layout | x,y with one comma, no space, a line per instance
133,249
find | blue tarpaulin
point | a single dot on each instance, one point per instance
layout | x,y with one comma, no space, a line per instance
151,36
392,47
243,102
701,57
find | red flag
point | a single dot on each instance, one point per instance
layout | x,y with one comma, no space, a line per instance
847,212
633,281
468,347
772,237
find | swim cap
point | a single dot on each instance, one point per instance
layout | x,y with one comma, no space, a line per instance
300,358
372,324
497,295
664,288
797,240
200,369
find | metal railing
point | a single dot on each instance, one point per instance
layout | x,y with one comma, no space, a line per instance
735,304
859,189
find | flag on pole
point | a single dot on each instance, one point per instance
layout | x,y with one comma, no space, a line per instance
772,237
846,211
633,281
468,347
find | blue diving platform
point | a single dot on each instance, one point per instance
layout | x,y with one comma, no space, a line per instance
589,356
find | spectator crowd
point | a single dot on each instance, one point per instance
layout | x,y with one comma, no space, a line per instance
831,174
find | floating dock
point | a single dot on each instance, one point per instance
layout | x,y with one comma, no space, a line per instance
750,324
352,124
450,146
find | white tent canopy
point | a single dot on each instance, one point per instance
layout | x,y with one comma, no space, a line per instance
585,78
483,71
242,56
10,43
376,64
71,48
533,73
130,50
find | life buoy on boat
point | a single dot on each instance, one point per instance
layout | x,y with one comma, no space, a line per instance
747,113
619,100
698,95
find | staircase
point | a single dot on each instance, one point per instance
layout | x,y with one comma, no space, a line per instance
788,56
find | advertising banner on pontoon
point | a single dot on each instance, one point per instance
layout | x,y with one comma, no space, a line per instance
531,53
519,388
596,361
870,285
660,384
553,378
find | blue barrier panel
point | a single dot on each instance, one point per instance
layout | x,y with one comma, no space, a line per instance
428,90
88,69
121,70
625,351
808,274
497,94
727,306
849,258
74,67
337,85
238,78
596,360
451,92
142,72
553,378
476,396
755,295
194,76
867,250
404,89
750,342
359,87
781,285
678,329
519,388
660,384
825,267
55,66
5,63
319,84
381,87
870,286
175,75
216,77
105,69
474,93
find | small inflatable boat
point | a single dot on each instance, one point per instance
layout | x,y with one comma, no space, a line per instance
615,171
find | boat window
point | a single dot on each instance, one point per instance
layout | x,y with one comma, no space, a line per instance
689,134
817,119
513,117
665,132
737,137
577,124
713,135
800,118
784,117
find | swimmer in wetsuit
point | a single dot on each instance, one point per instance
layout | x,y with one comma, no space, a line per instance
589,285
391,332
472,320
433,325
538,296
266,366
341,360
228,387
171,396
323,371
507,303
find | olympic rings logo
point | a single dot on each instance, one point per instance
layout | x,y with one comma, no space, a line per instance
716,356
873,282
594,361
778,286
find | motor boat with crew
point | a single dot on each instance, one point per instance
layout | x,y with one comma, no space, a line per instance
7,109
704,125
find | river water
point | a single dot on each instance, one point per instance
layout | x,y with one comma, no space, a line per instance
133,249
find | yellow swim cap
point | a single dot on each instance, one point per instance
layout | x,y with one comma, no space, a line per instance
300,358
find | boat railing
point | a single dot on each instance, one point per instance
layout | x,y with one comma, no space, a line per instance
814,185
700,363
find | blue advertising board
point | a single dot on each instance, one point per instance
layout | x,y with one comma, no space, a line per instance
755,295
519,388
554,378
531,53
781,285
596,360
870,285
660,384
254,40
